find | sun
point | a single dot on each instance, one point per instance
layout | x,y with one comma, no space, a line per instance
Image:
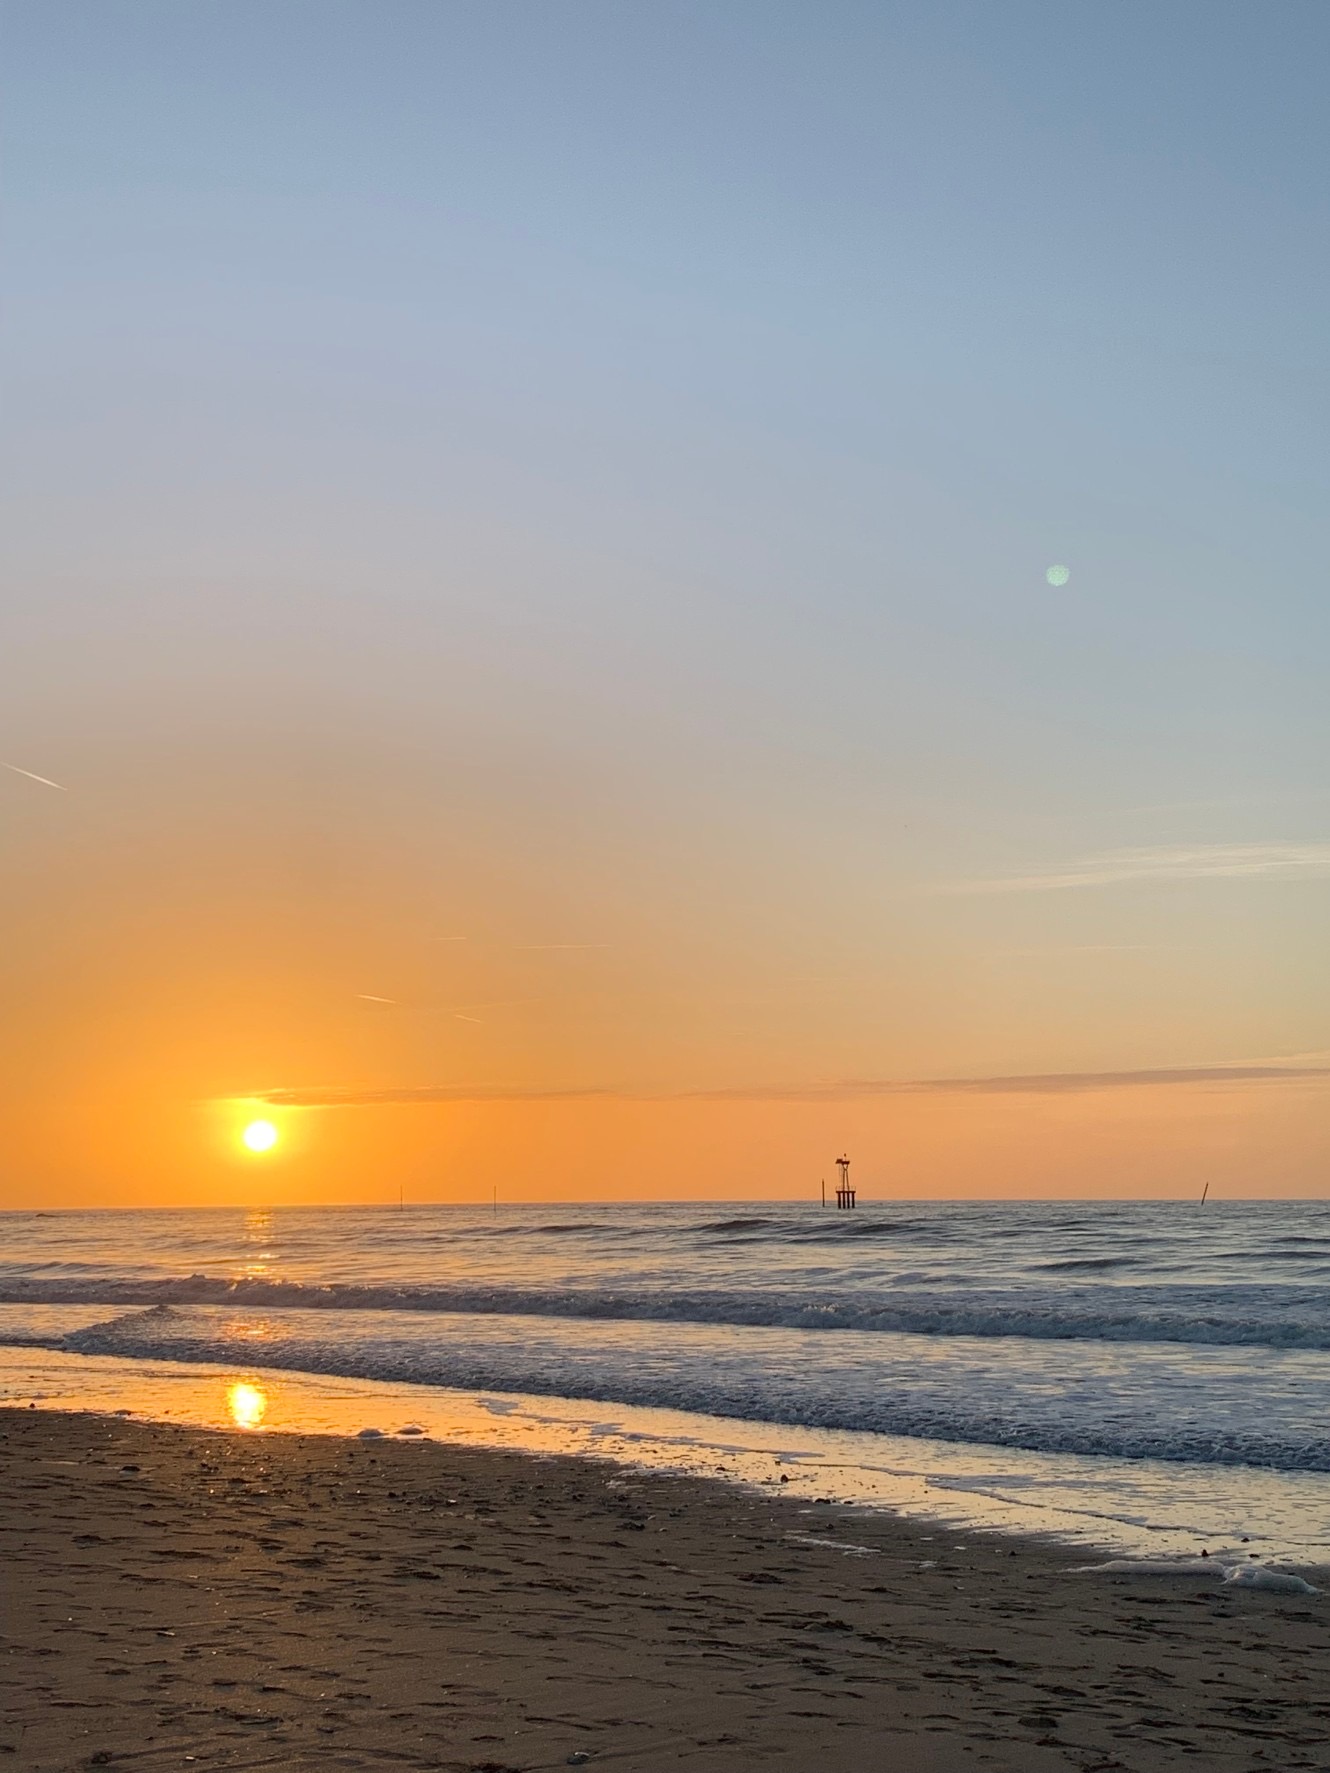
260,1135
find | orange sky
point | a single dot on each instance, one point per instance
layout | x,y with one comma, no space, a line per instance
196,929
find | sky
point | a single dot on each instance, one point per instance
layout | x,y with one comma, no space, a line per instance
531,601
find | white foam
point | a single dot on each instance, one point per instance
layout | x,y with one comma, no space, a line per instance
854,1551
1273,1581
1210,1568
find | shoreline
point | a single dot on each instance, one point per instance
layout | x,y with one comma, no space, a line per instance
1139,1508
231,1598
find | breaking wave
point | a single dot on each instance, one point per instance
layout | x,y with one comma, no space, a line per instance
1190,1406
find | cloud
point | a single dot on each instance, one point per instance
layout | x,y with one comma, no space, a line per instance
1234,861
320,1096
1066,1082
1052,1083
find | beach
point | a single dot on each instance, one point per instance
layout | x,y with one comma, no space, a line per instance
178,1597
663,1043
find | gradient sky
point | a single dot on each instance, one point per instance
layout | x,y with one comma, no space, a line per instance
541,514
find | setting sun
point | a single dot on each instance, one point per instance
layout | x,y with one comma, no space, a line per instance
260,1135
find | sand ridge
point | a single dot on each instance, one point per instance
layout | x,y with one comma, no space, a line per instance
188,1599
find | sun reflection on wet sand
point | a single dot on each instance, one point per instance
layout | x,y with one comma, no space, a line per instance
247,1403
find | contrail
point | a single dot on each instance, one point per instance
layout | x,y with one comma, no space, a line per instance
45,781
369,997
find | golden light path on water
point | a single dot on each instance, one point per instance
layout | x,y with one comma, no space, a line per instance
1136,1507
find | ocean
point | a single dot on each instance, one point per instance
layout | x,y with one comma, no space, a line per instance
1140,1351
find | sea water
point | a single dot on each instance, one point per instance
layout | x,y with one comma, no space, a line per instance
1106,1370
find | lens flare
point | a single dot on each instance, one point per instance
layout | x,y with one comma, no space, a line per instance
1058,575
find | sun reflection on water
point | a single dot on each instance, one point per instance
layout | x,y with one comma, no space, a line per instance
247,1403
254,1263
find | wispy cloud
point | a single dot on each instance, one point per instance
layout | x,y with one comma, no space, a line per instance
1052,1083
1233,861
1069,1082
324,1097
1059,951
45,781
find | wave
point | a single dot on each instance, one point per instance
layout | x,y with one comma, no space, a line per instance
1148,1416
1274,1316
1085,1264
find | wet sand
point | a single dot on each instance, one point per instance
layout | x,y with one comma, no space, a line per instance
177,1598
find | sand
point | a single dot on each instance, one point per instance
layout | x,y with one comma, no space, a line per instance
176,1598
